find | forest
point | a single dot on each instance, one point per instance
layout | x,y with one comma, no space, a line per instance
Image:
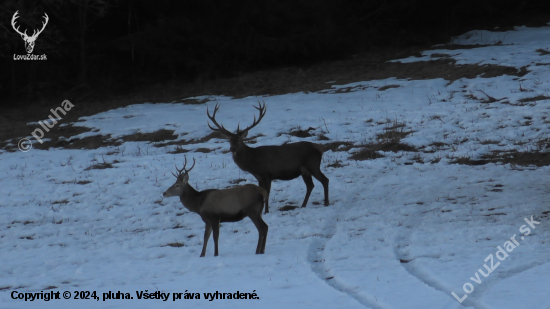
96,49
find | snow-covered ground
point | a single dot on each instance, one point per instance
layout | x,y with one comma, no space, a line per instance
398,233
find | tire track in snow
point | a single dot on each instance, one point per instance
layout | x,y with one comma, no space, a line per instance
317,262
426,277
474,299
495,278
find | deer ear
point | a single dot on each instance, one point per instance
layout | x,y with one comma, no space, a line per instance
243,134
185,178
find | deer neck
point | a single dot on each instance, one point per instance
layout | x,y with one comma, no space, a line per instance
190,198
243,155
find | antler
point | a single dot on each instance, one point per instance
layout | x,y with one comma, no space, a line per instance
13,24
34,33
183,169
43,26
220,128
262,114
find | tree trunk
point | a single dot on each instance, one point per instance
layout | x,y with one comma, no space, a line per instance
83,60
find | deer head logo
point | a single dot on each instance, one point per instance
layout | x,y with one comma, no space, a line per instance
29,40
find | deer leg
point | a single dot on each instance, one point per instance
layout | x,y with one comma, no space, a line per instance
216,228
262,232
207,232
324,180
266,185
309,187
262,250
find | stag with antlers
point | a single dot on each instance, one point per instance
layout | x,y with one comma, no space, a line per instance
266,163
29,40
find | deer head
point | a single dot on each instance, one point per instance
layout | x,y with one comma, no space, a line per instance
29,40
235,139
182,177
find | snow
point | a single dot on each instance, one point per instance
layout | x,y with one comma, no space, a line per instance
398,233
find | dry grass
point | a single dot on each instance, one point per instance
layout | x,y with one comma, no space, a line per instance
388,87
336,164
298,132
178,149
174,244
543,52
287,208
157,136
534,99
102,165
194,141
338,146
203,150
389,140
513,157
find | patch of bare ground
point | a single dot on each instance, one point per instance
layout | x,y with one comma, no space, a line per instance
439,55
468,161
457,46
303,133
287,208
174,244
534,99
489,142
178,149
203,150
433,147
58,140
298,132
193,141
389,140
543,52
440,68
80,182
487,99
58,137
388,87
336,164
513,157
90,142
192,101
157,136
338,146
102,165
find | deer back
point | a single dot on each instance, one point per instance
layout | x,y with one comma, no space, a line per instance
282,161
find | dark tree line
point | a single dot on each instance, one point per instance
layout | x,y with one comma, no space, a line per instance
116,46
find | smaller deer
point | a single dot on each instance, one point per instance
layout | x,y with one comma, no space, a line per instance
227,205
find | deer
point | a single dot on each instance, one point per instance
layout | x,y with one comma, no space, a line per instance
29,40
267,163
225,205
